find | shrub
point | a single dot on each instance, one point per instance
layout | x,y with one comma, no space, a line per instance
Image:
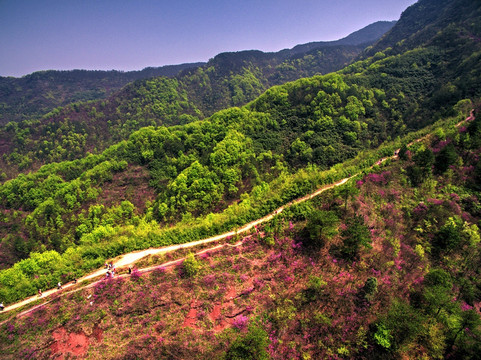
190,266
321,226
253,345
383,336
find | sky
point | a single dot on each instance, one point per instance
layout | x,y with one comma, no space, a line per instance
134,34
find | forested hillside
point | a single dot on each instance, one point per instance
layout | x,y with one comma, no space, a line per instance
34,95
384,267
200,168
229,79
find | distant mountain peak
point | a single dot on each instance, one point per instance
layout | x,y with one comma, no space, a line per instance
368,34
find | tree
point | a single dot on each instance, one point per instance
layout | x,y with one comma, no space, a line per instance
347,191
190,265
437,291
422,168
448,237
252,345
355,235
445,158
321,226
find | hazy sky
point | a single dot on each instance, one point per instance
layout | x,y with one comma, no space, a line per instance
133,34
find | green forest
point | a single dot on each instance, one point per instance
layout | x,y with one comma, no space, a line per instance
229,79
385,266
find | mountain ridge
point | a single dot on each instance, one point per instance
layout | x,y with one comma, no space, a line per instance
17,101
384,267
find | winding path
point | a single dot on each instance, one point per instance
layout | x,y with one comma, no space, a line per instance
133,257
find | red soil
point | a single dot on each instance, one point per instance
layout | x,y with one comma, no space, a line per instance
231,293
215,313
75,344
191,318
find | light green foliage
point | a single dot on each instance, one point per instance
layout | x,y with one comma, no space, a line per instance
191,265
383,336
419,250
471,234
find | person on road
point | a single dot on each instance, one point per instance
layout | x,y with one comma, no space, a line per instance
40,292
59,285
1,306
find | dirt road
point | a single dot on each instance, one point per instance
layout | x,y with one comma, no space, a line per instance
133,257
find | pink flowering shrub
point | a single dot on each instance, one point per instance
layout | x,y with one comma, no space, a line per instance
136,275
241,322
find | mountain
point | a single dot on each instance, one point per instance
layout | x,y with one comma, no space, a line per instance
348,271
382,264
365,36
421,22
34,95
229,79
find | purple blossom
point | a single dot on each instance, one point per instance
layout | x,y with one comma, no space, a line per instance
258,283
435,201
441,145
240,322
136,274
209,280
465,306
10,328
421,209
455,196
295,245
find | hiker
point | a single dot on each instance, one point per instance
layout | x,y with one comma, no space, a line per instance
107,275
130,270
1,306
40,292
106,266
59,285
74,281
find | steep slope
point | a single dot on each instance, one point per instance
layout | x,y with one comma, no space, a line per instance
438,60
421,22
34,95
229,79
385,268
179,183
